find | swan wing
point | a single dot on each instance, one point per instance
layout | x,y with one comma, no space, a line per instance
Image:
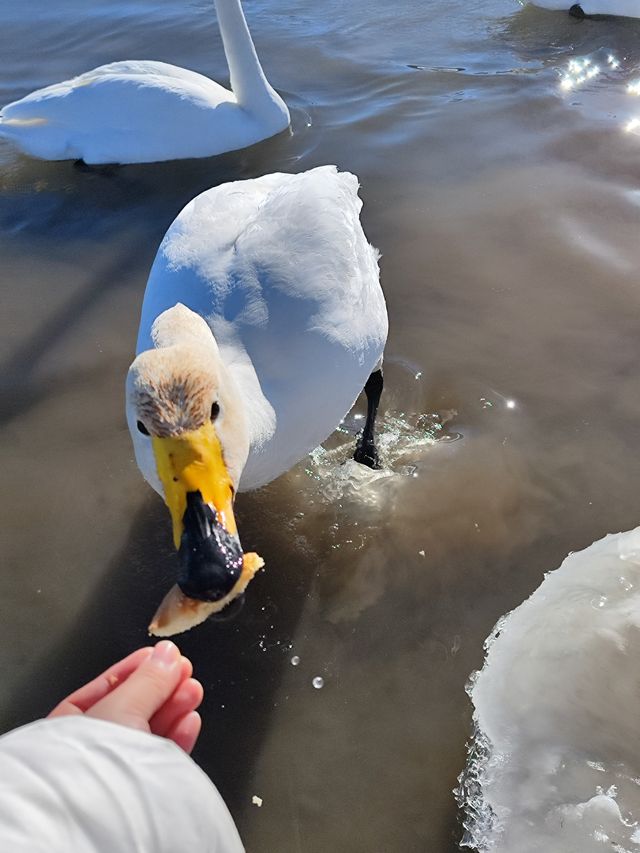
124,112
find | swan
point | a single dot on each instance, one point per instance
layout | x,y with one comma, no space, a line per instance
144,111
262,320
621,8
556,763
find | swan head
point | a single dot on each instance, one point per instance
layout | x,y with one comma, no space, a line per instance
191,442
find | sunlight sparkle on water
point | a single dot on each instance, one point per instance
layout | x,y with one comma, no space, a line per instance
580,71
318,682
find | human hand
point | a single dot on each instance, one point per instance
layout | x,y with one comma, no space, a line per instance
151,689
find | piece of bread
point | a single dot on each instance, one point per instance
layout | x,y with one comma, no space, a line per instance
179,613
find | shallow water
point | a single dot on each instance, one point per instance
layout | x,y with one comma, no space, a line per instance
507,210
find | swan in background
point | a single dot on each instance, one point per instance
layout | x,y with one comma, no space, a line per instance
621,8
262,321
144,111
556,762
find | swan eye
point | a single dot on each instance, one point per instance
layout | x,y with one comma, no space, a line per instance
142,428
215,411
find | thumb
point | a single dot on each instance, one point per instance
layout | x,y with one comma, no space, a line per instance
145,691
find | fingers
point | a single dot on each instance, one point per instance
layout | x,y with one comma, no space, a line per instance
66,708
85,697
135,701
185,731
187,669
187,698
150,689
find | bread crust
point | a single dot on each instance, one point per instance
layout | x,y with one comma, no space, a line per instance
179,613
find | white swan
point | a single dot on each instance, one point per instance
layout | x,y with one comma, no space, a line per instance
621,8
262,320
558,708
143,112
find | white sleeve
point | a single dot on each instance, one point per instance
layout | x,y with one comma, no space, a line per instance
88,786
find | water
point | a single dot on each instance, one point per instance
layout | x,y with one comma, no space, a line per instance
507,212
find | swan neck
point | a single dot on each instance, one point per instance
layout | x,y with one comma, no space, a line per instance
248,80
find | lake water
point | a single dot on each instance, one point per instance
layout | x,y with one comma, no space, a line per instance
507,211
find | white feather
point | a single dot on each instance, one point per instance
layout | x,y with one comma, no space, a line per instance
280,268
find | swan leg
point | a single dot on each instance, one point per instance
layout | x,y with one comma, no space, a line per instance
576,12
366,452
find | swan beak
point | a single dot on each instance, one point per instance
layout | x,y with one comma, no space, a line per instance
199,493
192,462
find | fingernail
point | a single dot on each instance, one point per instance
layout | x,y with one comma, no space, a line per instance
165,654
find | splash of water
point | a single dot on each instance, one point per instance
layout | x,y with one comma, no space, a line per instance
403,440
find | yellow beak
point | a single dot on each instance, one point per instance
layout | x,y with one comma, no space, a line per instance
192,462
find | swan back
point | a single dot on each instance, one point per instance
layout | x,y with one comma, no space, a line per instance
132,112
280,268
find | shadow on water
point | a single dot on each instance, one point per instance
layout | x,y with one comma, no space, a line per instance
20,390
240,681
71,200
38,199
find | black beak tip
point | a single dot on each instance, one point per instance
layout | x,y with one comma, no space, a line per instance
210,557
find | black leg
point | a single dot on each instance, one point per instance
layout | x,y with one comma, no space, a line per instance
108,170
366,452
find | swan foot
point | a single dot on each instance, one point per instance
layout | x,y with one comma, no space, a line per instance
366,452
107,170
576,12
